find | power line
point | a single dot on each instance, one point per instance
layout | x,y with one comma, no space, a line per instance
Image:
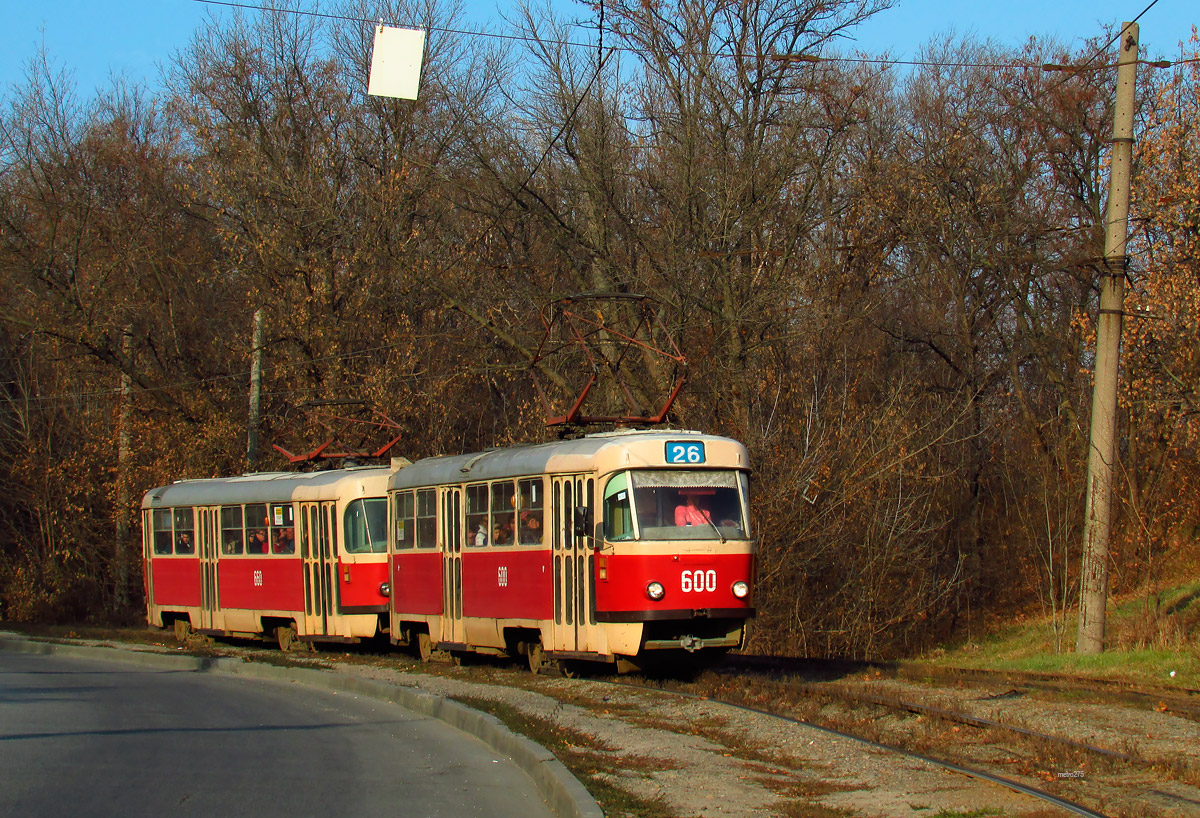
1076,69
784,58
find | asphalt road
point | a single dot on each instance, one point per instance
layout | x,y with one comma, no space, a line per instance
88,738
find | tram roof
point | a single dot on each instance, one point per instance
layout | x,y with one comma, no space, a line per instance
263,487
576,455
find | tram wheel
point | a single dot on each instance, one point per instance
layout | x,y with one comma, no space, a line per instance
424,647
538,663
183,629
285,635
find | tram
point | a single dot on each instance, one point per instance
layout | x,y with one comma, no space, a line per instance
622,548
628,548
295,557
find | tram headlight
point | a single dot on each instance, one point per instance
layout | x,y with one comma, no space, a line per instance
741,589
385,589
655,591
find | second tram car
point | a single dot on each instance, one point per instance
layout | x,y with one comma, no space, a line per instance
300,557
623,547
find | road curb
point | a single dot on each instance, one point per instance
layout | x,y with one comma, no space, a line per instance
560,789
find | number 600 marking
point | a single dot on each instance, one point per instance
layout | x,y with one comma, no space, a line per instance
697,581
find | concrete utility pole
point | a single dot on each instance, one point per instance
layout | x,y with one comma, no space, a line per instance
1102,451
124,463
255,390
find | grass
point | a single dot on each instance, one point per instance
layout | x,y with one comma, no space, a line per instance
590,760
1148,640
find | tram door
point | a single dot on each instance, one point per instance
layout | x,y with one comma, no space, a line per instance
318,550
452,543
210,548
574,569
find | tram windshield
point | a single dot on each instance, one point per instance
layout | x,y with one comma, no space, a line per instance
676,505
366,526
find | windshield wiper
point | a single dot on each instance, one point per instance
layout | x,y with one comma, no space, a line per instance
708,519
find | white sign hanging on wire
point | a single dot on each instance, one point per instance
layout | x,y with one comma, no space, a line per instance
396,62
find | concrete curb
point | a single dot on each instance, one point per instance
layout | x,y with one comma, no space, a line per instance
561,790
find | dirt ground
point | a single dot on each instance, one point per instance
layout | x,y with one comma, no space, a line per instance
697,757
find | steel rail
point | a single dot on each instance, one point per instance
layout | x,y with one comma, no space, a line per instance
973,721
970,772
1180,701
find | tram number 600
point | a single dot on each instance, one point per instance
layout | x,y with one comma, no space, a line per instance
697,581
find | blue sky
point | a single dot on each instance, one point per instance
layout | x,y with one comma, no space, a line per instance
95,39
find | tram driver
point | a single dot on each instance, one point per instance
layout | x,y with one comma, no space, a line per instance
689,511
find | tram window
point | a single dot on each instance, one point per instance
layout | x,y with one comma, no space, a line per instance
231,529
185,531
355,537
618,515
402,511
257,523
477,515
365,526
377,523
676,505
162,531
503,512
426,518
568,509
532,511
283,528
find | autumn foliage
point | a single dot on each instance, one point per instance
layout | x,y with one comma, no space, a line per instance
884,279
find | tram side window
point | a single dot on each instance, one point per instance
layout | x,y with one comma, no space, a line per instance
365,526
257,524
402,512
185,531
503,513
618,516
531,511
427,518
231,529
283,529
477,532
162,531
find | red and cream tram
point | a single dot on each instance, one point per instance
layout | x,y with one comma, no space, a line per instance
623,547
295,556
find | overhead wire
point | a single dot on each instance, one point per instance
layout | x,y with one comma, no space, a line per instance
804,57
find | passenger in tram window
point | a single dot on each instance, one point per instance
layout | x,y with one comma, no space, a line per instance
258,542
531,528
481,536
689,512
285,542
502,534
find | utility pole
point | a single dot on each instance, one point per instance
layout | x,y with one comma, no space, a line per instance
124,462
1102,449
255,390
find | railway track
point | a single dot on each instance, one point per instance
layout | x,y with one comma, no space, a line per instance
1182,702
962,769
823,682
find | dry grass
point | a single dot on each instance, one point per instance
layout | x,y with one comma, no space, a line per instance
591,760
